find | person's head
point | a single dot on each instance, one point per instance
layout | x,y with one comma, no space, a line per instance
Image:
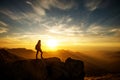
39,41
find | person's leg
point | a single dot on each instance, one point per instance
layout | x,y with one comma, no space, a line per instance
41,54
37,54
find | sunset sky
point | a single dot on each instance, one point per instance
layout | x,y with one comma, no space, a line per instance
72,24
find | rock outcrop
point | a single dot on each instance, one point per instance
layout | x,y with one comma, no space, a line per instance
75,69
47,69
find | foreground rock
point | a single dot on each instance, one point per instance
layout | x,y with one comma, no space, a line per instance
75,69
48,69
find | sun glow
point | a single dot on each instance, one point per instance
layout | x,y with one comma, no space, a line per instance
52,43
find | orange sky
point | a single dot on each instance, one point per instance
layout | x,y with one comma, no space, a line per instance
74,45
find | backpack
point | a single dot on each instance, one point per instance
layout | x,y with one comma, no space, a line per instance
36,47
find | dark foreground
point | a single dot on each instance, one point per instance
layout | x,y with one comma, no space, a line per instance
14,68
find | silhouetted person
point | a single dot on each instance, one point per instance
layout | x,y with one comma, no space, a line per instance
38,48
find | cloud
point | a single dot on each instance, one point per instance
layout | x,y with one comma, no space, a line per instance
115,31
92,4
62,30
62,27
24,17
102,31
28,36
3,27
3,30
37,8
69,19
96,30
11,14
61,4
3,23
40,6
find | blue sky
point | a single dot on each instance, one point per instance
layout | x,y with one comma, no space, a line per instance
77,20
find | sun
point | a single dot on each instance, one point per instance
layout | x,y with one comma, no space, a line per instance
52,43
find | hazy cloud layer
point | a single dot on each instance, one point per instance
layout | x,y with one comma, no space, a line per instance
3,23
3,30
3,27
102,31
92,4
41,5
57,3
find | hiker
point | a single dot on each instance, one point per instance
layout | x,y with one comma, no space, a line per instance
38,48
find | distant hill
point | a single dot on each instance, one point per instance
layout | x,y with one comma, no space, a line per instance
23,52
7,57
101,62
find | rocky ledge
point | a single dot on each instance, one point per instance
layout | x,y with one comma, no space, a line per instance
47,69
